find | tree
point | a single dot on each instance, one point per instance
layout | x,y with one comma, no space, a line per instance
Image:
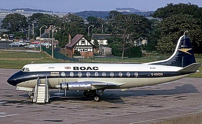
96,44
129,28
35,17
116,49
92,20
97,23
15,22
134,52
181,8
69,25
113,14
175,20
173,27
40,19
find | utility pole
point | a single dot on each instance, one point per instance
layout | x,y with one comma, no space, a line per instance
40,34
29,31
52,41
33,29
102,28
89,29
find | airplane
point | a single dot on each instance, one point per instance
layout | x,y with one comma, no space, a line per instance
94,78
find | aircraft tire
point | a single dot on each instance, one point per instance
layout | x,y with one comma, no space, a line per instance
31,95
96,98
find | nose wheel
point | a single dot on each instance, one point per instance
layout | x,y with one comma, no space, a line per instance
31,95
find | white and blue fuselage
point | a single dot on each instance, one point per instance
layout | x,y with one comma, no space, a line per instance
127,75
100,76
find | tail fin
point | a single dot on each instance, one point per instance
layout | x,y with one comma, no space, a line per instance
183,55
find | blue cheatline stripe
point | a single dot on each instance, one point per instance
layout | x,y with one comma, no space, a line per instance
26,76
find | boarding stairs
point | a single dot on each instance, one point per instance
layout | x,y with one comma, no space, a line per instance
41,92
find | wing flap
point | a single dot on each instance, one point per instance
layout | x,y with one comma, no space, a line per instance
99,85
105,84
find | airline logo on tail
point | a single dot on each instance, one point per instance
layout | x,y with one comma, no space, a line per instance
185,50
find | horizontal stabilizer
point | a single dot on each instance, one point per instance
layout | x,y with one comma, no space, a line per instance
191,68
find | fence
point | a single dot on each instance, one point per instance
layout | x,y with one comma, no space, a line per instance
113,59
58,55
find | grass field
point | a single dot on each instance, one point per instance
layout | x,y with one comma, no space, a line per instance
16,60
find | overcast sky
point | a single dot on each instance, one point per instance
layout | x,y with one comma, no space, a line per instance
98,5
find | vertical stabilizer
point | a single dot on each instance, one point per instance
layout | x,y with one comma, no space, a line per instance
183,55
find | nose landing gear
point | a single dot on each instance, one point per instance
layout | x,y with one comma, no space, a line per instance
31,95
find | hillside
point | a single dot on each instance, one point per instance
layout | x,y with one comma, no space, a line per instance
105,14
28,9
83,14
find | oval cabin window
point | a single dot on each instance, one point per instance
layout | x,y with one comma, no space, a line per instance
79,74
71,74
96,74
128,74
111,74
120,74
88,74
103,74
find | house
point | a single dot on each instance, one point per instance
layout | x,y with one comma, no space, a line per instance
140,42
102,42
101,38
105,50
79,43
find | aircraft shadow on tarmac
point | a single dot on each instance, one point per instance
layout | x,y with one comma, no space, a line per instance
187,88
115,96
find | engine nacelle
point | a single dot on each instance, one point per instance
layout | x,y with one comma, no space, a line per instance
75,86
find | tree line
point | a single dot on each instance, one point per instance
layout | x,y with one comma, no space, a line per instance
162,32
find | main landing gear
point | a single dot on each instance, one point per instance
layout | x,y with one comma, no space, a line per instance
95,94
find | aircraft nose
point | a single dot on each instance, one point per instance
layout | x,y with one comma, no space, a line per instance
13,80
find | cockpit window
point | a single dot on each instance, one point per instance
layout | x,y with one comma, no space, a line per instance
25,69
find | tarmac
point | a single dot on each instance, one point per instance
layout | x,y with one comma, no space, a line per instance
141,105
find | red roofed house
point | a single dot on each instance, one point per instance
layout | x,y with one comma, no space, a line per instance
80,44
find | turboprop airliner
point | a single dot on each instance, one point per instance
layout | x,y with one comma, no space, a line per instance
94,78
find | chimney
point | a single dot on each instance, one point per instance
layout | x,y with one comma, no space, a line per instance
70,38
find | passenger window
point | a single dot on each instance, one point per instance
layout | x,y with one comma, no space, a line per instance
88,74
71,74
112,74
79,74
96,74
136,74
128,74
120,74
103,74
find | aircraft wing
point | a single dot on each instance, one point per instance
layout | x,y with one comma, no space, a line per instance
89,85
104,85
